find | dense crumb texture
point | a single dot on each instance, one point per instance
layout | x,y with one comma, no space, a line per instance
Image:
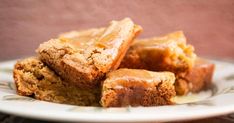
197,79
84,58
132,87
35,79
167,53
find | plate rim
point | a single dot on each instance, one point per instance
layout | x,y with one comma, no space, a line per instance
128,117
125,117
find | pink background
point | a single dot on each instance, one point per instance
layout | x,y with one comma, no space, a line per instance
208,24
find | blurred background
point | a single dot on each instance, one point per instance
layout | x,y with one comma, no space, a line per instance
208,24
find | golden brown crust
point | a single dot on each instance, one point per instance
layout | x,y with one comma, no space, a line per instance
86,63
35,79
167,53
171,53
132,87
197,79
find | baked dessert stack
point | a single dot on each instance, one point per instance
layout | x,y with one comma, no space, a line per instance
107,67
86,63
171,53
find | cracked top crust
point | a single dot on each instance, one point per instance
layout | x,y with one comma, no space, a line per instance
85,58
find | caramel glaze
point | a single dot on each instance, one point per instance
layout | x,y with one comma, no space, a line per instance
89,60
111,42
138,87
167,53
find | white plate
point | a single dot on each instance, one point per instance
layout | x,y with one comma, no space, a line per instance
218,101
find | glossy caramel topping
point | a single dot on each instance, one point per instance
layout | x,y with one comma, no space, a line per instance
169,39
83,36
101,47
172,46
107,38
82,39
137,77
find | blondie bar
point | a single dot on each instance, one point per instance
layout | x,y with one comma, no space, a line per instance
135,87
197,79
166,53
86,61
33,78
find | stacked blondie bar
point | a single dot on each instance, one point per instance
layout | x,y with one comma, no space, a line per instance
109,67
